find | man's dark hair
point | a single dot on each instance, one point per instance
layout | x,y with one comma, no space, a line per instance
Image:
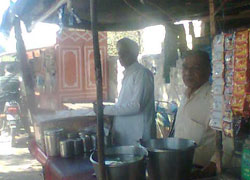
130,45
10,68
204,56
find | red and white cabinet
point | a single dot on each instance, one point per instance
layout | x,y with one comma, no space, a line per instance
75,66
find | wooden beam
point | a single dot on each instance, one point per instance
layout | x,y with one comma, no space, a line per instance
219,8
98,75
211,17
227,18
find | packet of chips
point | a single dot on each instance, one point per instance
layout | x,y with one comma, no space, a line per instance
239,89
227,128
216,120
241,76
218,102
242,37
229,58
218,69
241,50
218,48
238,102
229,41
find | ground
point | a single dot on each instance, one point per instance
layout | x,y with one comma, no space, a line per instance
17,163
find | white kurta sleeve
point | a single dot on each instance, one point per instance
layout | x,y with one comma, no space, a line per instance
142,91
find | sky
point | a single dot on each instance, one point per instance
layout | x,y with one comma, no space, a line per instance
42,35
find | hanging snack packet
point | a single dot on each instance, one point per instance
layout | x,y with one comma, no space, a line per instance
229,59
227,128
229,41
242,37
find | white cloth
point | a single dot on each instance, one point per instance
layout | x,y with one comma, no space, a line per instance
134,111
192,122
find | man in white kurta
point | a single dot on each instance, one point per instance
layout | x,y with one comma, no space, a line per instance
134,111
192,121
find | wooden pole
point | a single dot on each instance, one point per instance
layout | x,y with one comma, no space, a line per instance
212,18
218,137
26,72
218,152
98,74
25,69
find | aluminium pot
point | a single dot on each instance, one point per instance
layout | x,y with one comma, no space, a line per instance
52,139
170,158
130,166
67,148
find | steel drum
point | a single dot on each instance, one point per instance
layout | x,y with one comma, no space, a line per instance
170,158
130,166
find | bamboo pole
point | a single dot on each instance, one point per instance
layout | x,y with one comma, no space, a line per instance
98,74
218,136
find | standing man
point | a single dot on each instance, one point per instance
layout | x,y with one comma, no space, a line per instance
193,116
135,111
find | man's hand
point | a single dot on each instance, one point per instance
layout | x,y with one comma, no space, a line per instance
95,107
208,171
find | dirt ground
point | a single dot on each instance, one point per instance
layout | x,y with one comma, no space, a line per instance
17,163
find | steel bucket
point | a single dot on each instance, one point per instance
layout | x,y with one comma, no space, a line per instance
170,158
131,167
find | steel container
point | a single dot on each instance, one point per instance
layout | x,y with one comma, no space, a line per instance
127,169
52,138
170,158
72,135
78,146
87,143
67,148
94,141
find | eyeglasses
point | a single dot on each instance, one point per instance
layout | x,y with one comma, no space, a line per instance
192,69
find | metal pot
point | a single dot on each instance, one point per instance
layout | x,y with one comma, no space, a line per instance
72,135
52,138
87,143
94,141
78,146
131,166
170,158
67,148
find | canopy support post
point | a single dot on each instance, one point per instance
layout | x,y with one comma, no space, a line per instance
218,136
98,74
25,70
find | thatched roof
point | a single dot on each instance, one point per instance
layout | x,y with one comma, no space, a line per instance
129,14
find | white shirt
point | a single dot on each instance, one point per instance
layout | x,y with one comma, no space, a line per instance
134,111
192,122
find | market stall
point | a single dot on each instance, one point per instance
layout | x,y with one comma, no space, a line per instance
230,67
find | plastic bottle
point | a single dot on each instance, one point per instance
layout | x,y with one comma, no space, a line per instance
245,162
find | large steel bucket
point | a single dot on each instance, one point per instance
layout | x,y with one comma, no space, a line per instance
170,158
131,167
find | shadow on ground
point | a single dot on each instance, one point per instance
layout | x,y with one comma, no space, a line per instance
34,175
16,163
